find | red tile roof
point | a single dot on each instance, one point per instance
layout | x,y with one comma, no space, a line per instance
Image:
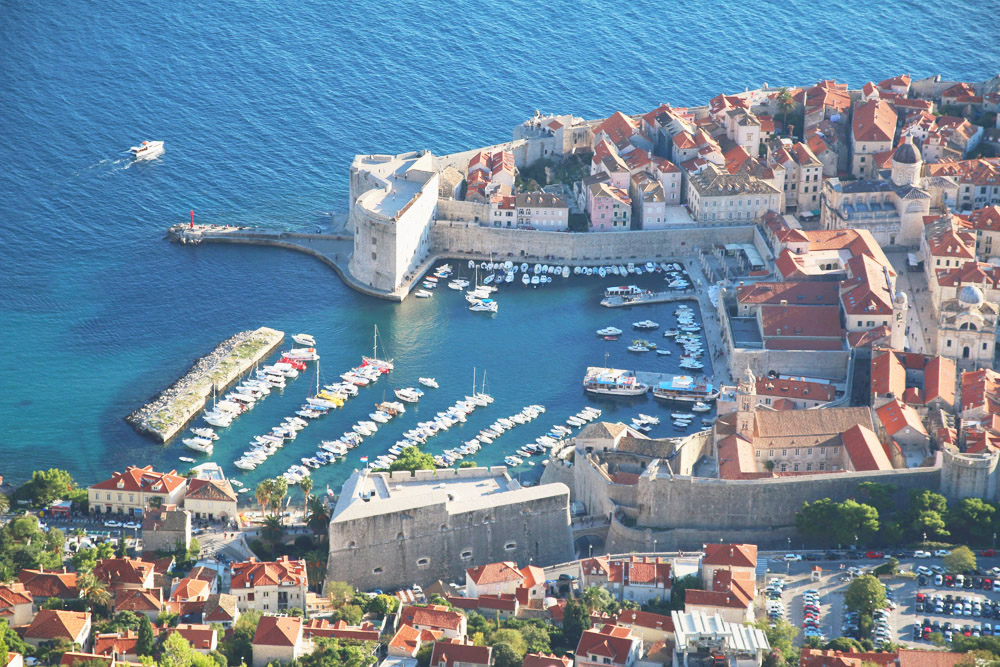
866,292
986,219
118,571
874,121
545,660
143,479
190,589
252,573
138,599
44,584
598,566
800,293
198,635
805,321
320,627
494,573
895,416
980,388
730,555
449,654
791,388
113,642
817,658
13,594
76,657
911,658
409,639
645,619
278,631
56,624
611,641
433,616
210,489
618,127
864,449
887,373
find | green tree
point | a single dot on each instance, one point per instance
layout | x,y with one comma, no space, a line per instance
576,619
781,636
319,517
971,520
837,523
383,605
93,591
889,567
177,652
126,620
237,648
47,486
961,560
536,638
144,645
864,595
338,653
339,592
785,105
677,591
929,523
272,531
504,655
467,464
844,645
411,458
349,613
263,494
596,598
424,654
307,486
84,560
13,640
512,638
476,622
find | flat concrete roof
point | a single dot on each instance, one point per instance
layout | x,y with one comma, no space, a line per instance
401,190
377,493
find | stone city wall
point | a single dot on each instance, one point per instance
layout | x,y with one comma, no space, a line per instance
832,364
457,238
970,475
462,211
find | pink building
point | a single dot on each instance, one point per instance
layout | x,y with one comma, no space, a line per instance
609,207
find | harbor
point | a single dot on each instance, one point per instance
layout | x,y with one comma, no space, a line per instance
644,298
170,411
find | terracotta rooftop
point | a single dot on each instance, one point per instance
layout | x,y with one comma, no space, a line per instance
799,293
545,660
432,616
278,631
895,416
55,624
450,654
46,584
118,571
143,479
730,555
494,573
210,489
791,388
200,636
409,639
874,121
645,619
613,642
864,449
804,321
252,573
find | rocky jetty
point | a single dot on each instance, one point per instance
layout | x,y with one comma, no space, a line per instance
169,412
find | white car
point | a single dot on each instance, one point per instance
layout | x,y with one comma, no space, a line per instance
111,523
941,553
792,557
921,554
926,571
130,524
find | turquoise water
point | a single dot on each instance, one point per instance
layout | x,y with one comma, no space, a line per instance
262,106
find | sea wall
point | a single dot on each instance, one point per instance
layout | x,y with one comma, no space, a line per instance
450,238
171,410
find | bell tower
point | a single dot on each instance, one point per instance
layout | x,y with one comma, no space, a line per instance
746,393
897,336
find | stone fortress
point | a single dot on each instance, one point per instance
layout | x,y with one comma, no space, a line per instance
393,530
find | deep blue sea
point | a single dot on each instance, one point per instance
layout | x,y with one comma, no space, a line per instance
262,106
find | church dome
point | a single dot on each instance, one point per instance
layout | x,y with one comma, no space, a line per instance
906,153
971,295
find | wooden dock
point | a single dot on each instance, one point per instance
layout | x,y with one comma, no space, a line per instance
646,298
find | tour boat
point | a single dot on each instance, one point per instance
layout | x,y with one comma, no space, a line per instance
428,382
613,383
304,339
685,389
147,149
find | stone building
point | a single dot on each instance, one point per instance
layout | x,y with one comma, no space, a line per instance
393,202
873,128
273,586
967,329
715,195
165,529
136,489
393,529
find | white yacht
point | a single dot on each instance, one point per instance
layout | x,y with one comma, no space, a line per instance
146,150
646,324
203,445
428,382
484,306
304,339
609,331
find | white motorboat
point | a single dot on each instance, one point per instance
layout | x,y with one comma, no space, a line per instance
637,348
217,419
428,382
701,407
646,324
304,339
484,306
203,445
609,331
205,433
185,459
146,150
422,294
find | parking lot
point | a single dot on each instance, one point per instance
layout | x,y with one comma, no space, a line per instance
836,574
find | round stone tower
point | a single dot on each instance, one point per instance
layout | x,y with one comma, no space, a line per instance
906,163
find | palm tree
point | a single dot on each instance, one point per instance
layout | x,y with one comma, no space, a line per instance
307,487
319,518
272,530
263,494
279,491
315,567
786,104
92,590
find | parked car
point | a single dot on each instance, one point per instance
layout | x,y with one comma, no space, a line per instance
988,552
921,554
941,553
874,554
792,557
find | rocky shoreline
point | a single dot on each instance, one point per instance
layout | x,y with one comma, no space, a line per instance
171,410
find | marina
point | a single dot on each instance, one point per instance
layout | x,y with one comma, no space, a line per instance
668,386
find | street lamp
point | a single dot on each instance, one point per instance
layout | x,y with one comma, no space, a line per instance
654,543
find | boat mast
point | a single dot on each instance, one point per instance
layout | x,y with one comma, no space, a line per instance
375,344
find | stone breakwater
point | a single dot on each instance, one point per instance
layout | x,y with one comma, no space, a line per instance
172,410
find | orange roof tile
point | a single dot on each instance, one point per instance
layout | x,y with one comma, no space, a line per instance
278,631
50,584
113,642
200,636
143,479
807,321
56,624
252,573
494,573
452,653
611,641
874,121
730,555
864,449
432,616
